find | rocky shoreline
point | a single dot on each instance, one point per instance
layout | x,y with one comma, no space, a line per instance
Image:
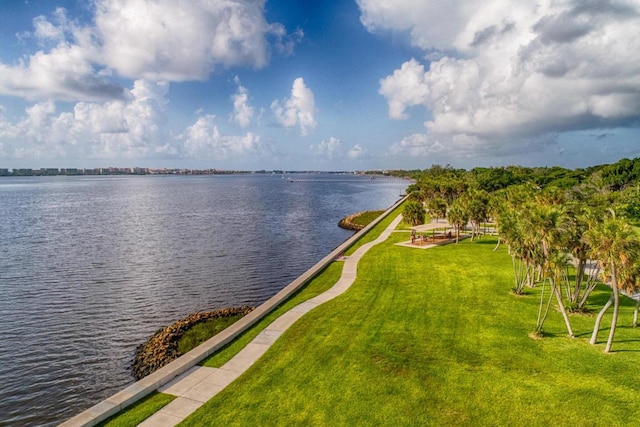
162,347
348,224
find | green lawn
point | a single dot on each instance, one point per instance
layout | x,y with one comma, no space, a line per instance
139,411
325,280
201,332
365,218
435,337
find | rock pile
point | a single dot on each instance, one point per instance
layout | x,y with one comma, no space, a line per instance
162,347
348,224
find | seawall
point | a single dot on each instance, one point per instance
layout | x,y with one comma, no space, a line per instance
138,390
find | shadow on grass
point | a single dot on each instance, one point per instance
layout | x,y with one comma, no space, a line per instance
485,242
523,293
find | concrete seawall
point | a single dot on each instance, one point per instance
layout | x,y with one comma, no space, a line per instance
152,382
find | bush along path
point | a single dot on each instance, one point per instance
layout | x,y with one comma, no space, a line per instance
199,384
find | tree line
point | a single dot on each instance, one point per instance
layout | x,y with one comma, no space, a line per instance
565,230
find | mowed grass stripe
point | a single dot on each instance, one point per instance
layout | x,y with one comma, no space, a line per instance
434,337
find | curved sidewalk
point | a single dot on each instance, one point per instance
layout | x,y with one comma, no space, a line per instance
199,384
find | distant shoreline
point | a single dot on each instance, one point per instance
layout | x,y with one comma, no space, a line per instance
163,171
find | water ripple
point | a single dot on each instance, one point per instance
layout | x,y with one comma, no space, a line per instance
90,268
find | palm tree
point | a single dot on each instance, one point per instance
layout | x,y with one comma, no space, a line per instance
615,245
458,217
580,217
414,212
437,208
549,225
477,205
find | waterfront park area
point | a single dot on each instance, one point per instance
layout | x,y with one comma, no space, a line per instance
429,337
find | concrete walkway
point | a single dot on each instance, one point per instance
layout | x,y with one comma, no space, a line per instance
199,384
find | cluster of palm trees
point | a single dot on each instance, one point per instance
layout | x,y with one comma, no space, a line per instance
564,241
567,243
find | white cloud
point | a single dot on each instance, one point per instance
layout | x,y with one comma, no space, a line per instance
357,152
407,87
510,73
299,109
203,140
242,111
45,30
431,24
134,128
114,129
180,40
160,40
65,73
330,148
417,145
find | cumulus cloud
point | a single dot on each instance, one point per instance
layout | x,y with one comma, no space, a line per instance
357,152
299,109
334,149
182,39
120,129
64,73
417,145
330,148
406,87
131,128
511,72
204,140
160,40
242,111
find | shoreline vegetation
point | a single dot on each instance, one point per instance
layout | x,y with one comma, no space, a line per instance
172,341
358,221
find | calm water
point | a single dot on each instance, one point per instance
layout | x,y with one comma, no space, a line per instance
90,267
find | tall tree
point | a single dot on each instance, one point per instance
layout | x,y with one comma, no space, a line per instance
477,205
549,224
458,217
615,245
414,212
437,208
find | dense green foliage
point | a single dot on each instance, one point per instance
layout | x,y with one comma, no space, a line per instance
621,174
414,213
547,217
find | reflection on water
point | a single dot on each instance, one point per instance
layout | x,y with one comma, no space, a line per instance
92,266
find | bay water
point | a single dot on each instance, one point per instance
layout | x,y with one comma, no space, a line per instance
90,267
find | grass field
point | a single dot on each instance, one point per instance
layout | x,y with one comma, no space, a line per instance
435,337
139,411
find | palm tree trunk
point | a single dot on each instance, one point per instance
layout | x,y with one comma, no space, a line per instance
616,308
543,316
579,276
556,290
498,245
591,285
635,313
596,326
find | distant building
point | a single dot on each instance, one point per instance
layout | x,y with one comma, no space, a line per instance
49,171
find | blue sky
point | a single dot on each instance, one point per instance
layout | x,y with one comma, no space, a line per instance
318,85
